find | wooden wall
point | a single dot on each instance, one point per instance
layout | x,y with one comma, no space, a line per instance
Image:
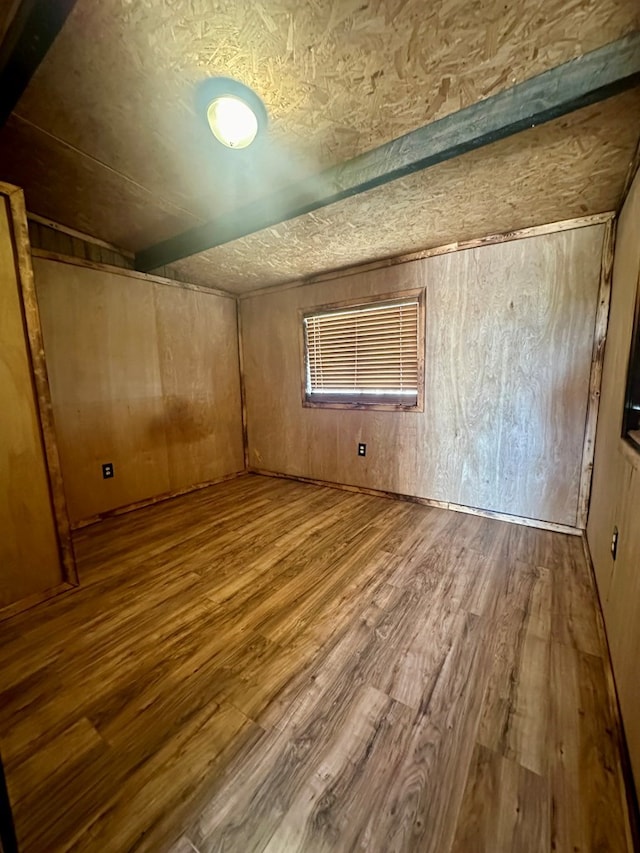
143,375
30,559
616,485
508,358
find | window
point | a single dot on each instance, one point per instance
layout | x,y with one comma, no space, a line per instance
366,355
631,422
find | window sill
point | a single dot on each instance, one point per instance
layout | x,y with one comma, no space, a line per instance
354,405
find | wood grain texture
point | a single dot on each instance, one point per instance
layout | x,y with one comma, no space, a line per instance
557,92
430,209
32,547
509,342
142,375
595,381
467,510
338,80
33,330
267,665
616,484
488,240
65,231
76,259
67,242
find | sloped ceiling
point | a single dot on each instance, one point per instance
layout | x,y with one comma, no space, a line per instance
106,139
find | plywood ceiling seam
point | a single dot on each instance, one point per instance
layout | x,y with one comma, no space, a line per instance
102,165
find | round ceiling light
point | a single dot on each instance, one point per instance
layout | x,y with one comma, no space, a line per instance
235,114
232,121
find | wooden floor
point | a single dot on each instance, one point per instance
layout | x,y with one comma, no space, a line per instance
272,666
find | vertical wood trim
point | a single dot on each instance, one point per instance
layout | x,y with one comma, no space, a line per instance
41,381
243,393
634,168
595,381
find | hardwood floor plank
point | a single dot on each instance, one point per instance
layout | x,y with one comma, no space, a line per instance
514,722
505,808
272,665
587,811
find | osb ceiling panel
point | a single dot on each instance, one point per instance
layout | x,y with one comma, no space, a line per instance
106,140
83,194
568,168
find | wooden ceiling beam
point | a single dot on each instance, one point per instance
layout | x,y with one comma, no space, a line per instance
32,31
593,77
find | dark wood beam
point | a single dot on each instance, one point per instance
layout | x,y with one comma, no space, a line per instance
29,36
593,77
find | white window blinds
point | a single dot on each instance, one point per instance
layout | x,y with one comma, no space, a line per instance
367,353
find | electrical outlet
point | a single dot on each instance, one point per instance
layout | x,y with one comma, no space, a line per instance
614,542
107,471
362,449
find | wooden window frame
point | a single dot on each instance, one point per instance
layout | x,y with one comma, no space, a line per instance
629,434
364,302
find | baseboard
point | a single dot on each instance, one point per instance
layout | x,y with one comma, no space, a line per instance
628,781
469,510
33,600
165,496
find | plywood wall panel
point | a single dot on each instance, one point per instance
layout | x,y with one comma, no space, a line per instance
141,376
616,484
508,356
623,608
610,462
198,349
29,555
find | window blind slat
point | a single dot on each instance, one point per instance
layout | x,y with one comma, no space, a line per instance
366,349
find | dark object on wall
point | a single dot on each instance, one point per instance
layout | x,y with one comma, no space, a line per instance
8,842
631,420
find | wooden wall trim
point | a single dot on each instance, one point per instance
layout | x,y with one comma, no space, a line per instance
468,510
79,235
634,168
134,274
32,600
595,381
40,378
166,496
627,782
488,240
243,390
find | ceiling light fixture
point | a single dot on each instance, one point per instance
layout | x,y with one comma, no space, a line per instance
232,121
234,113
